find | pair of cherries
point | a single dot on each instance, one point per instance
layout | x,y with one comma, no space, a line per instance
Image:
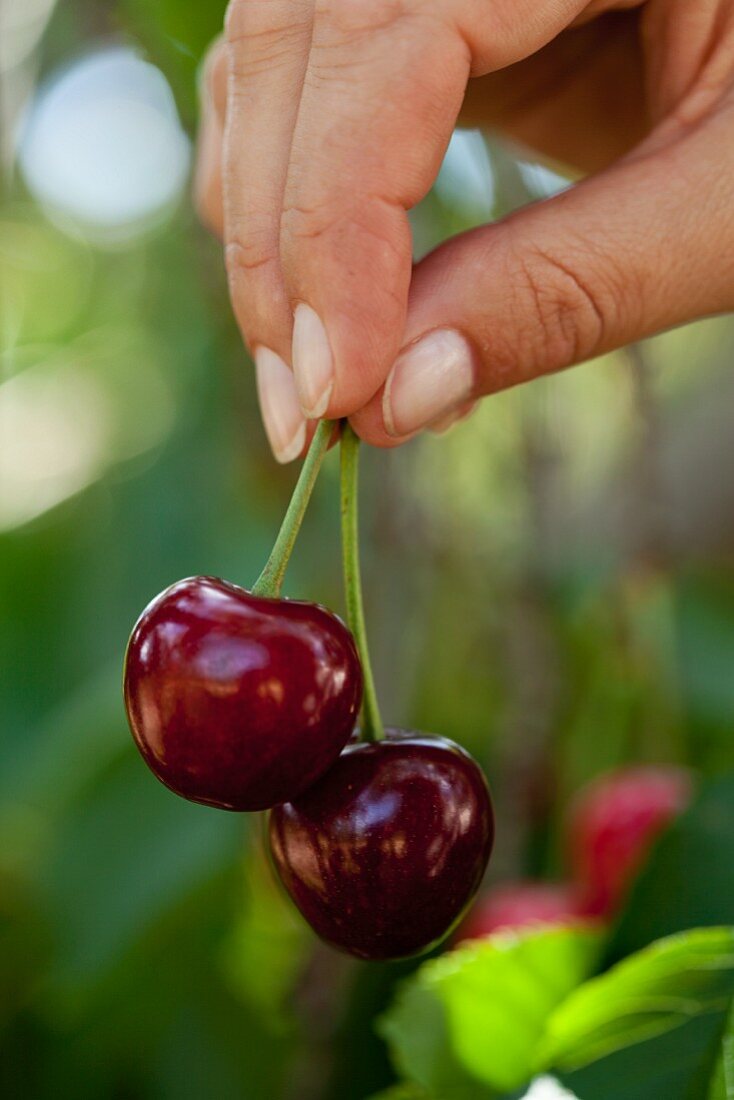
246,702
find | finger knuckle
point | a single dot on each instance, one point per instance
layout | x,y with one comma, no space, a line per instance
262,30
244,257
353,20
357,236
307,223
236,20
572,307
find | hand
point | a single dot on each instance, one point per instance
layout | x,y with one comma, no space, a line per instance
328,120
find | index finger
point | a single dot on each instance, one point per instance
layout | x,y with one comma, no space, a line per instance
382,90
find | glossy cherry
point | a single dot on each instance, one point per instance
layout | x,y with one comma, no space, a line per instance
521,904
613,824
383,855
239,701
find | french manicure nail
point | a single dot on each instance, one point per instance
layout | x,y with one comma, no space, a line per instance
429,380
285,426
313,363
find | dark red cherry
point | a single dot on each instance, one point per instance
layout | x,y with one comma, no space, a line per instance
383,855
236,700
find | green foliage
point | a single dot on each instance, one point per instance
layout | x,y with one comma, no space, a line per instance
722,1085
144,952
176,34
652,992
485,1019
404,1091
690,880
269,945
656,1026
474,1019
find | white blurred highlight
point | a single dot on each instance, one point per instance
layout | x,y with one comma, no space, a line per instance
547,1088
66,420
465,177
102,144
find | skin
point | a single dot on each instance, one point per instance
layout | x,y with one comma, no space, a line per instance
327,120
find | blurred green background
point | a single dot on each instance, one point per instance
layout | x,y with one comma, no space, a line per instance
550,584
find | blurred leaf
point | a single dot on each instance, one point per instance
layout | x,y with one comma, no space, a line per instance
176,34
674,1066
417,1033
705,635
689,879
46,280
722,1086
131,850
268,944
76,742
402,1092
185,24
652,992
478,1013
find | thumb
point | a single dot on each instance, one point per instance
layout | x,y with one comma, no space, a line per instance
629,252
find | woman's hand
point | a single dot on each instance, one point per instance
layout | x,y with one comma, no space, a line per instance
327,120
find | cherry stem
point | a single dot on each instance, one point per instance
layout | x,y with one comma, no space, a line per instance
270,580
372,727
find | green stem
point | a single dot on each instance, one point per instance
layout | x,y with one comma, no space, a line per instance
372,728
271,579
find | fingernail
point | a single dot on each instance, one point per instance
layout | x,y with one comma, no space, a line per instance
281,409
313,363
429,379
455,417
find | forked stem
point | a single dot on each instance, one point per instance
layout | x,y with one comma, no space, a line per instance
372,727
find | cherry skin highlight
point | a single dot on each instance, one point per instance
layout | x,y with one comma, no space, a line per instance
613,824
239,701
384,853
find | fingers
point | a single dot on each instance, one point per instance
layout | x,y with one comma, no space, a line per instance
284,424
564,102
338,117
380,97
283,420
208,171
268,43
635,250
268,50
381,94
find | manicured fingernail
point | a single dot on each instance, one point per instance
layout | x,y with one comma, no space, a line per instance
455,417
313,363
429,379
281,409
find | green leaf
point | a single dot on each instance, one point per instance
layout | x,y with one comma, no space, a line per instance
132,851
417,1033
268,945
655,991
692,868
477,1014
676,1065
404,1091
722,1086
